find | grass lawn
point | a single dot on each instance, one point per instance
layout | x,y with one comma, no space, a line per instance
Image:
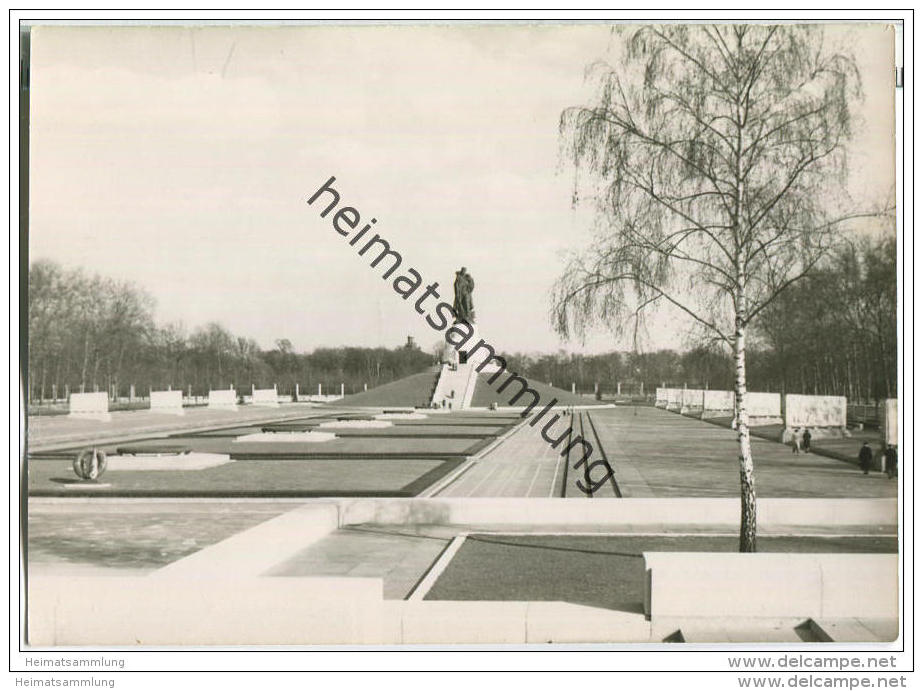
288,478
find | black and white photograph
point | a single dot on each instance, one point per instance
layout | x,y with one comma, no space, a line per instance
464,335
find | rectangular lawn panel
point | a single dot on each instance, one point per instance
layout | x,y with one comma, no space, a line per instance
306,478
599,571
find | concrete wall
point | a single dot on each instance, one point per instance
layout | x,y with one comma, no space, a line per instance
815,411
722,584
717,404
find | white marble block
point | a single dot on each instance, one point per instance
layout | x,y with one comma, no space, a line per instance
692,401
674,399
90,406
267,398
815,411
170,402
661,398
223,399
889,421
717,404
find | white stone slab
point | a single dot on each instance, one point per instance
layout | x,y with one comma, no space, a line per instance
90,406
674,399
401,416
661,398
267,398
763,404
692,401
224,399
170,402
187,461
815,411
717,404
287,437
356,424
889,421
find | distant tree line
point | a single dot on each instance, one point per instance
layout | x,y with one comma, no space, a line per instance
835,332
832,333
90,333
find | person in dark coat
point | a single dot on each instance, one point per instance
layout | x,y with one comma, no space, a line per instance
891,461
865,457
806,441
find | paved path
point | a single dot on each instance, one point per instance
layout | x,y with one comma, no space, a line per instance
676,456
524,465
662,454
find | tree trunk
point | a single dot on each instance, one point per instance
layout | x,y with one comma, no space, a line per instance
745,456
86,361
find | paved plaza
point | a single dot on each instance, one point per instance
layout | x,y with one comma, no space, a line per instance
656,453
494,513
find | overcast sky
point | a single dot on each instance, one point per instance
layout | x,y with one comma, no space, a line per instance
182,159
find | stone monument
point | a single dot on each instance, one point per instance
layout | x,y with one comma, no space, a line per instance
464,304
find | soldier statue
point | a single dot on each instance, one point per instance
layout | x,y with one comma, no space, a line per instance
463,305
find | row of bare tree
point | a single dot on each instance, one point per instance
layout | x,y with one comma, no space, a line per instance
833,333
90,333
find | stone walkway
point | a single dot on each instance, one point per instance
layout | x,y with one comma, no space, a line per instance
524,465
671,455
656,453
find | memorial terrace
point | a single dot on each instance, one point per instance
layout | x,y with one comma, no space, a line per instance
438,316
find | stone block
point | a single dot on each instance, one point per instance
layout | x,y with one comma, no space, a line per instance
223,399
267,398
717,404
90,406
692,401
660,399
889,425
674,399
169,402
815,411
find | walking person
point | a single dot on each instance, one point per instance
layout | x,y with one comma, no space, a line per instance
865,458
806,441
891,461
796,442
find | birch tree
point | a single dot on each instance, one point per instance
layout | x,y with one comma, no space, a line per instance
715,157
